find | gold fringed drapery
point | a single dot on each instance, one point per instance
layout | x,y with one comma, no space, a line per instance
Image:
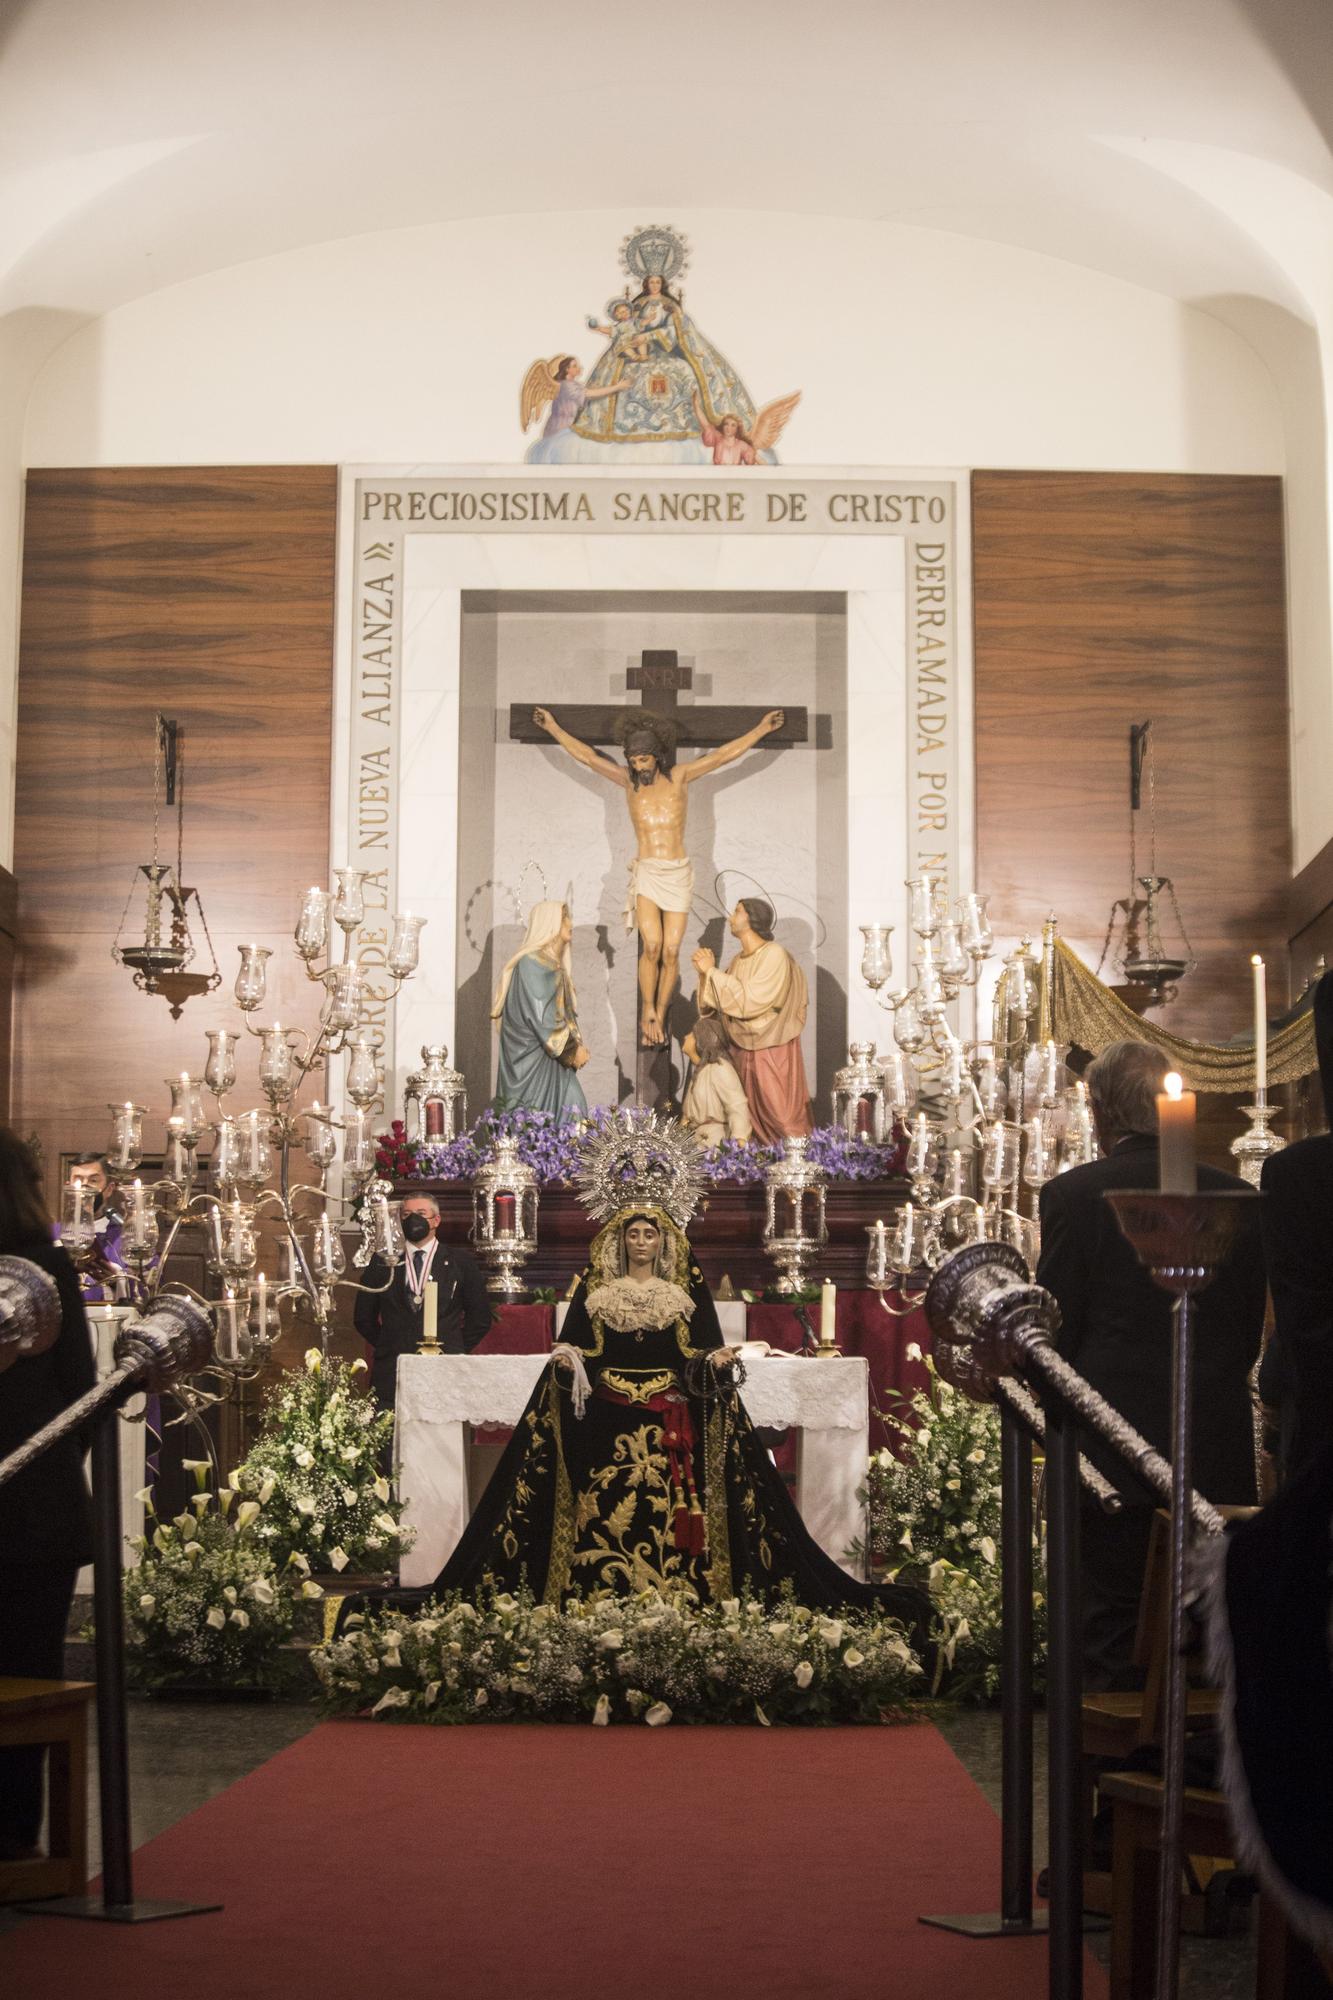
1085,1012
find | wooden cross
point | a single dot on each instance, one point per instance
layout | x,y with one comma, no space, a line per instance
658,683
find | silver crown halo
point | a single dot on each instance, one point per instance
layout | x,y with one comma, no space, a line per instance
641,1156
657,251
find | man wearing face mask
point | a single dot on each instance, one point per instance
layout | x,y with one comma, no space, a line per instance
391,1320
102,1280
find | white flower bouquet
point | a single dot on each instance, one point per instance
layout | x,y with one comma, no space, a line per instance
205,1605
652,1658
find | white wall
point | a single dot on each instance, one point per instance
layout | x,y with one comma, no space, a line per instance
911,347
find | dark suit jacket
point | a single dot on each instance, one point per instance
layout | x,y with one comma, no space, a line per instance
388,1321
45,1513
1297,1219
1117,1323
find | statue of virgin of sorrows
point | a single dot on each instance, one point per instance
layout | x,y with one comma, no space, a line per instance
661,881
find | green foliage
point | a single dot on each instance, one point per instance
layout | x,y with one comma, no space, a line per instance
652,1658
934,1519
315,1467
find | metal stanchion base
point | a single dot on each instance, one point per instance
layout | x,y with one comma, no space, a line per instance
990,1923
144,1909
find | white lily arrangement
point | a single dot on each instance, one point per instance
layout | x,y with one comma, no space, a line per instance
315,1468
652,1658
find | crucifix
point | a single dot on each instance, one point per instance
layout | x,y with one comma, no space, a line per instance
656,788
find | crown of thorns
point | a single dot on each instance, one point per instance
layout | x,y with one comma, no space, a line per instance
638,728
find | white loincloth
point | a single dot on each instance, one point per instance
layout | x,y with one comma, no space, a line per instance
669,884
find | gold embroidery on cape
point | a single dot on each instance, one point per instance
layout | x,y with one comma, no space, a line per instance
562,1526
715,1473
637,1385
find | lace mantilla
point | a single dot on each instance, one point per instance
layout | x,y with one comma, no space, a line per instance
628,1306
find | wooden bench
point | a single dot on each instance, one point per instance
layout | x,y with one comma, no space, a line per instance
1285,1968
51,1715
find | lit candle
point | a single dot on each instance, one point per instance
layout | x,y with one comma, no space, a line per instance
1260,1027
430,1309
262,1313
1177,1168
828,1313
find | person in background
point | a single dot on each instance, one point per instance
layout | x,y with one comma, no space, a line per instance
390,1320
105,1277
715,1107
1117,1332
1296,1375
45,1512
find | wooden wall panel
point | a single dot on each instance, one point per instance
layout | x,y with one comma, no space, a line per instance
209,595
1102,600
1105,599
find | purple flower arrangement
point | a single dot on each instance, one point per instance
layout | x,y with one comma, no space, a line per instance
552,1147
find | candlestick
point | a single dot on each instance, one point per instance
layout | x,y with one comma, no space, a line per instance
1177,1168
828,1317
430,1306
1260,1027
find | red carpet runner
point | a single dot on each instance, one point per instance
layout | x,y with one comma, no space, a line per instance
530,1863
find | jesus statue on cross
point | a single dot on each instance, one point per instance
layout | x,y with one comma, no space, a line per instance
662,874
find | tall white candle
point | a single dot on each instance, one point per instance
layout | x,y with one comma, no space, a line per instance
430,1310
262,1314
1177,1169
1260,1026
828,1313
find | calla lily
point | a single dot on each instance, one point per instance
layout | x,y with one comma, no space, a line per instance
601,1715
248,1511
304,1456
262,1591
853,1657
147,1604
266,1492
215,1617
338,1558
145,1495
394,1697
309,1589
225,1498
358,1367
241,1618
803,1673
657,1715
381,1488
314,1360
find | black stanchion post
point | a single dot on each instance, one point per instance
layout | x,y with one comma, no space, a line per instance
1016,1674
1064,1690
1015,1917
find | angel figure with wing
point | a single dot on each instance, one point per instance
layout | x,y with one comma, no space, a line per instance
728,440
556,382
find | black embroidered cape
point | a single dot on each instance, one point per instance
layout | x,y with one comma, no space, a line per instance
662,1481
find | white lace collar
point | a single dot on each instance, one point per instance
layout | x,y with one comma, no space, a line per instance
627,1306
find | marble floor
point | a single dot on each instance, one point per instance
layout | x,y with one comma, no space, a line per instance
184,1753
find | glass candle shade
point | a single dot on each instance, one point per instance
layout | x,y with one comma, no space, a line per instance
220,1069
386,1230
343,1008
991,1088
899,1083
953,960
349,902
908,1031
358,1143
923,907
213,1253
1039,1152
877,1256
404,954
1000,1148
921,1148
78,1227
233,1335
252,979
187,1107
178,1161
363,1072
876,956
138,1238
255,1164
264,1321
239,1253
321,1141
278,1069
930,994
312,924
125,1150
907,1240
226,1160
957,1183
974,926
326,1252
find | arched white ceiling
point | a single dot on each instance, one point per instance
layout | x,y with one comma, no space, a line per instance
145,141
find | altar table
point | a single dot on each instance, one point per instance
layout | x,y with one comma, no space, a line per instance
439,1396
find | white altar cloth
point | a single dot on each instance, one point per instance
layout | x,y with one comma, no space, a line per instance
440,1395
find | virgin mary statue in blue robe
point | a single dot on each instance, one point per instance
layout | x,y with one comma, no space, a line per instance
536,1008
